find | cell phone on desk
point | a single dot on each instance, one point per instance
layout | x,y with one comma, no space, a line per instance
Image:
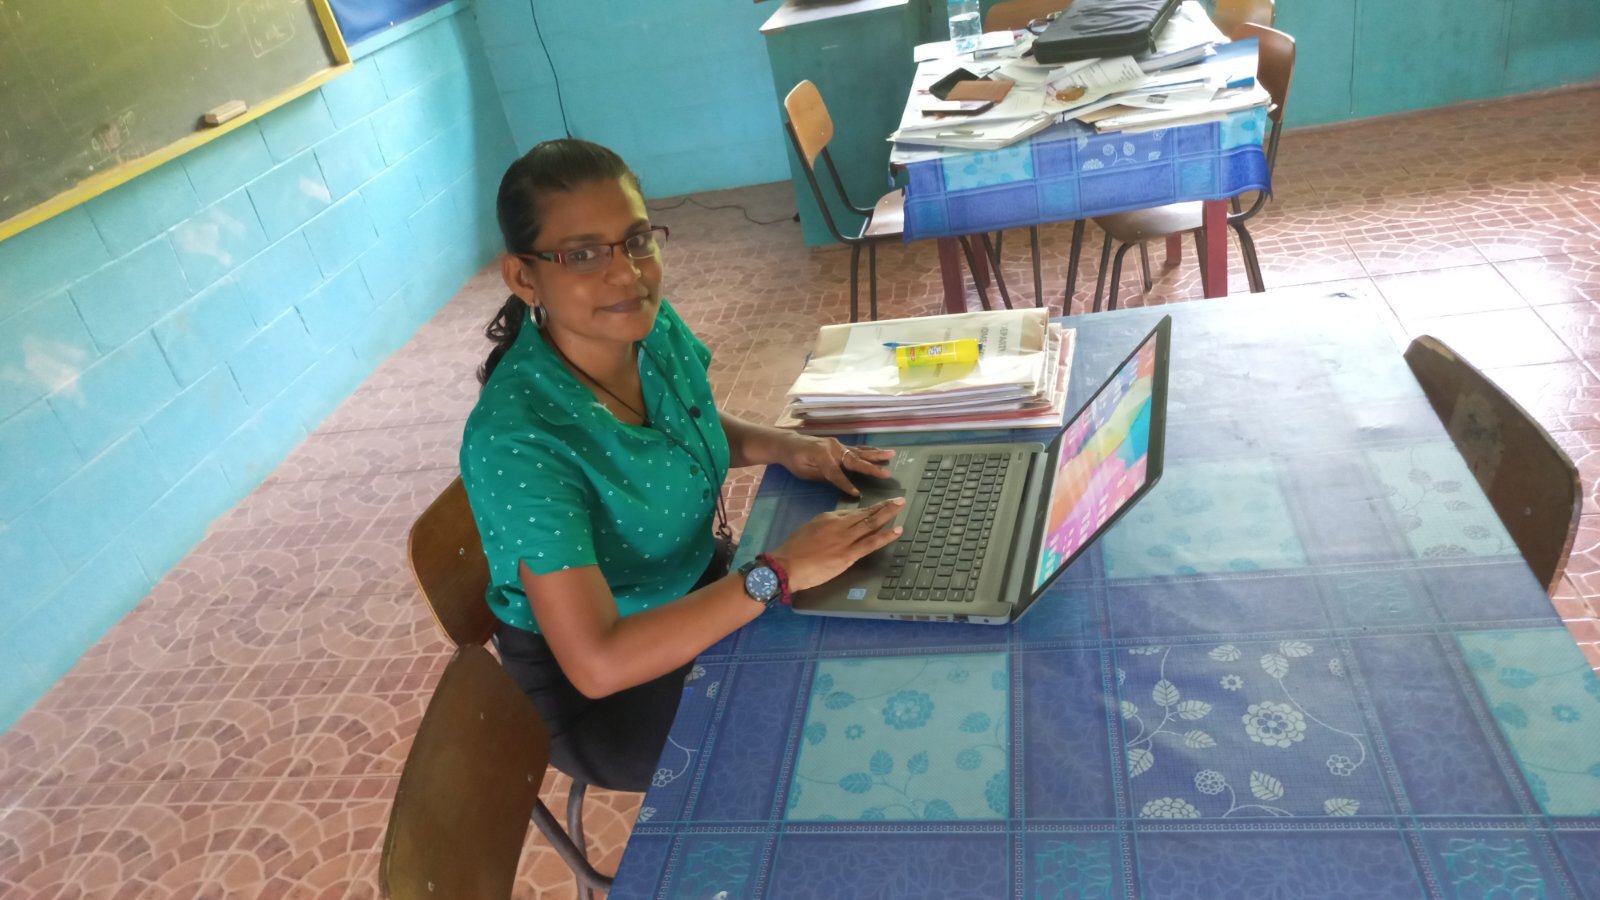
956,107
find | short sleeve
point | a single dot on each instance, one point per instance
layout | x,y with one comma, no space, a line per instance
531,505
696,346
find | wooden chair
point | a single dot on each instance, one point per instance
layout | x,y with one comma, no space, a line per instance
1228,15
1532,484
1015,15
1274,71
810,129
447,559
470,784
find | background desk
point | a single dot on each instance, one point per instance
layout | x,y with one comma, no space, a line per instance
1310,663
1070,172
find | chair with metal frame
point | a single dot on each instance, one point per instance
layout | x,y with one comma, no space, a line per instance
1274,72
810,129
1530,481
468,789
448,562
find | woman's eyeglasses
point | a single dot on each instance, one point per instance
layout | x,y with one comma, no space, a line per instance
596,257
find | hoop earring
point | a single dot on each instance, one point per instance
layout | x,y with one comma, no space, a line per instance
540,317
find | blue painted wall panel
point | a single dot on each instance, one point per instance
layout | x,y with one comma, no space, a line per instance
150,205
129,295
115,394
217,239
205,331
127,465
36,455
41,348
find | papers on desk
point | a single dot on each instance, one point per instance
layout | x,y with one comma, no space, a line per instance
1195,75
989,42
852,385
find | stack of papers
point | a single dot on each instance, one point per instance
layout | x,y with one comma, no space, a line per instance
1194,75
851,383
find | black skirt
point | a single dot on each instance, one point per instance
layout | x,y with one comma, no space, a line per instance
615,741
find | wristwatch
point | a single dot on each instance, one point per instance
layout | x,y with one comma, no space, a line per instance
765,581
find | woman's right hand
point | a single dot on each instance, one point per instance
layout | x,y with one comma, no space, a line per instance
827,545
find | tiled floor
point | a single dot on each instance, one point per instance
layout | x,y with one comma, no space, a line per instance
240,733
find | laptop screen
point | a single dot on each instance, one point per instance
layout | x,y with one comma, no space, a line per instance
1105,456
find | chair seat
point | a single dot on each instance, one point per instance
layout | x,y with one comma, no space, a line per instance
888,217
1149,224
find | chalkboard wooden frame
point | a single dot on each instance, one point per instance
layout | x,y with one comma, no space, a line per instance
102,182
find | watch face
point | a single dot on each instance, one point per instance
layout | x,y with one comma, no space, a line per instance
761,583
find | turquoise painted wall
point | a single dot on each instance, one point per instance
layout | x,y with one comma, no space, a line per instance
165,345
680,89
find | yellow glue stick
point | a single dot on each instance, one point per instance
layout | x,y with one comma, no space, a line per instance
965,350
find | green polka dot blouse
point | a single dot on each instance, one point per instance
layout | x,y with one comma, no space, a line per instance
556,481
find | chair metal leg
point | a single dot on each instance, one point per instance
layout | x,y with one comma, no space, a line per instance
972,265
1100,278
855,276
1078,228
990,250
872,281
575,795
1116,275
1252,264
1144,265
589,879
1038,279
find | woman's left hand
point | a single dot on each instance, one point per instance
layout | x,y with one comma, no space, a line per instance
825,459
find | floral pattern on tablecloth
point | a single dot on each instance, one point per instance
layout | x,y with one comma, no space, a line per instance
1428,490
1205,518
1244,729
877,744
1545,699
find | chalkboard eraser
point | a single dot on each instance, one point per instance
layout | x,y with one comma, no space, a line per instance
233,109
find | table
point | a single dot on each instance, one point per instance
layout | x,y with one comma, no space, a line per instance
1309,663
1071,172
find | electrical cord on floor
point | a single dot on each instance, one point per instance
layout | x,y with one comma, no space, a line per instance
689,198
533,8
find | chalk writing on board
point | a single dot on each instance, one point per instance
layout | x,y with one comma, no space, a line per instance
268,23
202,14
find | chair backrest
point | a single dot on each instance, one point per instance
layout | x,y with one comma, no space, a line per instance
1015,15
1532,484
448,562
1274,63
1229,14
808,117
461,810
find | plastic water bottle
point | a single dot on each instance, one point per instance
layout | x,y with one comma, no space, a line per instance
965,25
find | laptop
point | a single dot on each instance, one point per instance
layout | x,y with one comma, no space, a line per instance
989,527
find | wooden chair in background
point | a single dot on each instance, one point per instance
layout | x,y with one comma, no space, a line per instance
810,129
1015,15
1124,231
1532,484
447,559
1230,14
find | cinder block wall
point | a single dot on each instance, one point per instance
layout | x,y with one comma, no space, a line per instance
165,345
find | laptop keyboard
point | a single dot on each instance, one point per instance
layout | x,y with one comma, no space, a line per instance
939,556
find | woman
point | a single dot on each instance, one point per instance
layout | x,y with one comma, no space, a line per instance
594,463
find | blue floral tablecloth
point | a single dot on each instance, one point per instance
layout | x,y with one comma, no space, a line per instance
1070,172
1309,664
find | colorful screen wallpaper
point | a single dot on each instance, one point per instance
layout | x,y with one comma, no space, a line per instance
1102,464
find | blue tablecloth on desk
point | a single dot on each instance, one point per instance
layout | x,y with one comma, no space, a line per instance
1309,663
1070,172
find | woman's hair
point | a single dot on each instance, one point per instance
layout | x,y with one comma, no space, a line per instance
551,167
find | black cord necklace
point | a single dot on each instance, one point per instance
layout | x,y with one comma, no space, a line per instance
596,382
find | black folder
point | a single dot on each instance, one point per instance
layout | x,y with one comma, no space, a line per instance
1090,29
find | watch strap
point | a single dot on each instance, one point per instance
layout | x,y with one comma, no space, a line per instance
784,596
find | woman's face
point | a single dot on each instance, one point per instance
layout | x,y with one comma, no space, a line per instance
616,304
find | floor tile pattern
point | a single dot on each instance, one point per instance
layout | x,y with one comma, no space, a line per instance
240,733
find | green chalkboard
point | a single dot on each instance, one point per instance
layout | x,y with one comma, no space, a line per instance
93,92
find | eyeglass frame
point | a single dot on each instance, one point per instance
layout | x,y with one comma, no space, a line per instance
560,256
